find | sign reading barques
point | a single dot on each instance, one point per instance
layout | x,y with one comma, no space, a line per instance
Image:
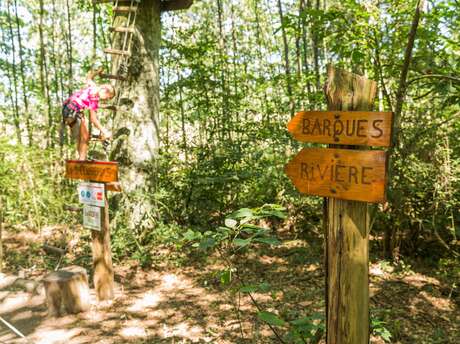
342,127
91,194
92,217
340,173
96,171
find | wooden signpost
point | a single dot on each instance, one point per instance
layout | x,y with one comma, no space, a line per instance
99,172
350,178
96,171
343,127
340,173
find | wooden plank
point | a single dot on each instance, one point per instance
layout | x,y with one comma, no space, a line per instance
125,9
340,173
174,5
95,2
365,128
122,29
116,52
96,171
113,77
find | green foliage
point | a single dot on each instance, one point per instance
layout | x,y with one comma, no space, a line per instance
238,231
32,186
379,329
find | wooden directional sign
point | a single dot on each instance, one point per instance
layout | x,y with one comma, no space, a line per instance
340,173
96,171
343,127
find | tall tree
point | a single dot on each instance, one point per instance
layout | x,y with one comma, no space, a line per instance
287,67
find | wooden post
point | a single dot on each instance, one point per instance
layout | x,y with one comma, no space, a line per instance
1,235
102,258
346,226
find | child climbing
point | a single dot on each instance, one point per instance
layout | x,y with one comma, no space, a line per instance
86,99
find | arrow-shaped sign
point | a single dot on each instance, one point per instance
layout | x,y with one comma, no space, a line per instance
340,173
342,127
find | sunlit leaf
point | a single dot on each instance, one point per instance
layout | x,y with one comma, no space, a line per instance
271,318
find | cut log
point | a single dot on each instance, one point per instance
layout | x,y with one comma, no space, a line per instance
116,52
174,5
67,291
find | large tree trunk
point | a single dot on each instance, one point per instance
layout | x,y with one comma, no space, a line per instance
139,105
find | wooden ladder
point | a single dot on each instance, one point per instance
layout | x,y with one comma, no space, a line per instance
130,8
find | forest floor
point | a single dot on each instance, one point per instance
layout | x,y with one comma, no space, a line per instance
182,300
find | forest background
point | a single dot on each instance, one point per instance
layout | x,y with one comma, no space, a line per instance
232,75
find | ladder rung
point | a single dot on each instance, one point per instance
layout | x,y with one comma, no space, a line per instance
125,9
108,107
113,77
107,1
116,52
122,29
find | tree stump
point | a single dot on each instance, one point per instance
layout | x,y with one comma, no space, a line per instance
67,291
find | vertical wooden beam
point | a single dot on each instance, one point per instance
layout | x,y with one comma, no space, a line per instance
1,235
102,258
346,229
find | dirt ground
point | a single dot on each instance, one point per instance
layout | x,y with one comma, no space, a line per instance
187,304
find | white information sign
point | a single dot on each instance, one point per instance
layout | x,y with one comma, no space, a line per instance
91,194
92,217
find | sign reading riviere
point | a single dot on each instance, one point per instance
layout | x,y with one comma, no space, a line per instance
96,171
340,173
342,127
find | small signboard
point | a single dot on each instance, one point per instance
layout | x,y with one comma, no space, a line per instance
92,217
340,173
96,171
91,194
342,127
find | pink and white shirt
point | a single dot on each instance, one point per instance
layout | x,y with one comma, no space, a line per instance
86,98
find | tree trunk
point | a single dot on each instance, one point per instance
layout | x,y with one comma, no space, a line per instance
347,230
14,75
140,104
287,67
182,120
44,77
391,231
225,114
316,51
69,47
25,95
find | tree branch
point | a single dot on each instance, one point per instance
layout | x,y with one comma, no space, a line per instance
401,93
437,76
